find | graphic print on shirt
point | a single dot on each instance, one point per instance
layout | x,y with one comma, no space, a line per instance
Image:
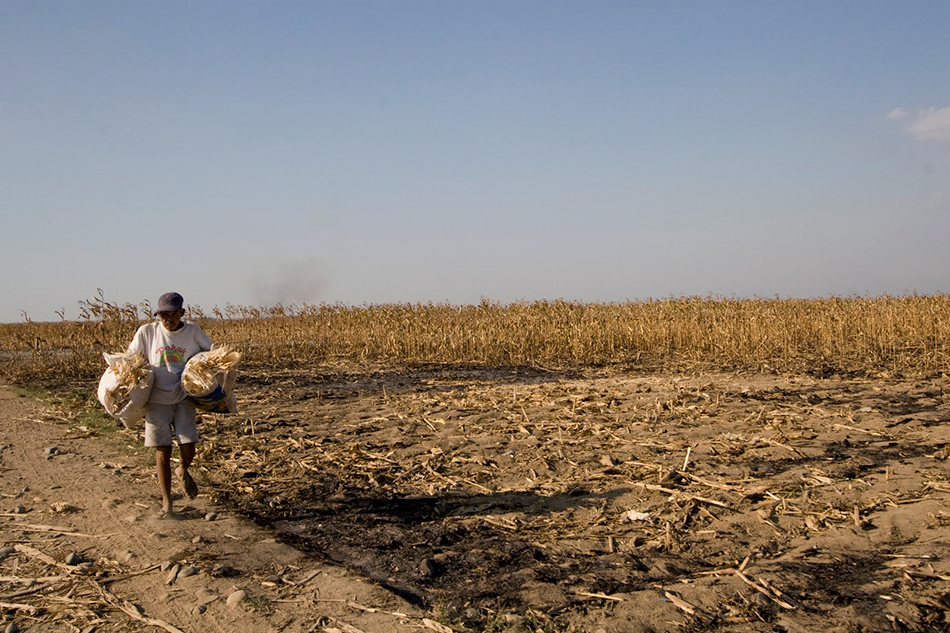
172,357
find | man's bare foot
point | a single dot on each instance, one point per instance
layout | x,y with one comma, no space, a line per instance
187,483
168,513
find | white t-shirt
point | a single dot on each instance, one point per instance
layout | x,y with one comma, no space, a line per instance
167,352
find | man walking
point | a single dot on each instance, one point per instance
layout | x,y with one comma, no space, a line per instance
170,415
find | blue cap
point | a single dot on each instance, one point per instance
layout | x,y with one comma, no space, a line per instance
170,302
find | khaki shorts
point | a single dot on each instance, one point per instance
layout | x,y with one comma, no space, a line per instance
163,422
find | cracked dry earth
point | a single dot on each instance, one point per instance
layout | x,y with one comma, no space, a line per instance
433,498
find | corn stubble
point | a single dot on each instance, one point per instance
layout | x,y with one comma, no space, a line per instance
908,334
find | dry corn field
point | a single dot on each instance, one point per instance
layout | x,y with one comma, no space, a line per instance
675,465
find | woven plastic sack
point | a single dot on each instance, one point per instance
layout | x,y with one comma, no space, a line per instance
209,378
125,386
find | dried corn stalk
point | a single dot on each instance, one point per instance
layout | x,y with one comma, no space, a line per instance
201,373
131,371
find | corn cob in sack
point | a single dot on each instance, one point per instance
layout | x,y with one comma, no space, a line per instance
125,386
209,379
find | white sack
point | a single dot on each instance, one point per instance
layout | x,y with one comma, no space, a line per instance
125,386
209,378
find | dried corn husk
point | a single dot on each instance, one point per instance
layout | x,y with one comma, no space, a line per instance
125,386
209,379
202,369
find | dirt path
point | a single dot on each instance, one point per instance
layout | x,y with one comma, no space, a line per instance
63,493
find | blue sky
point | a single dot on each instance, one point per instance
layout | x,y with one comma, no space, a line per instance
413,151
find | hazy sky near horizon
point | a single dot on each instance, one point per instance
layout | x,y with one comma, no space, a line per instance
382,151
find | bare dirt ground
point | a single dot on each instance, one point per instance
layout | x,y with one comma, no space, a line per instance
64,492
490,500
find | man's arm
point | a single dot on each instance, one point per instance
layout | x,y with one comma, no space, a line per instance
138,342
204,341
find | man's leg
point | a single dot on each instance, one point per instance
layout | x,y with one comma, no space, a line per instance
158,435
187,454
187,483
186,431
163,469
